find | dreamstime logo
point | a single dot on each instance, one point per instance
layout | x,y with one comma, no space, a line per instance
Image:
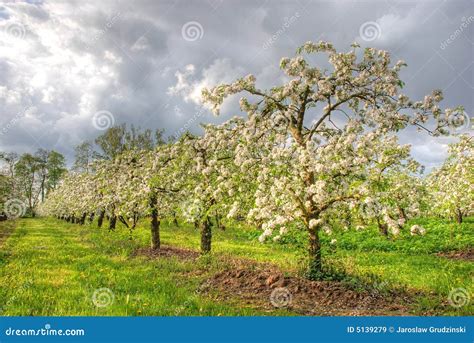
370,31
379,287
198,112
12,122
14,208
458,297
465,23
102,32
192,31
458,120
371,207
281,297
103,120
16,30
18,291
215,3
287,22
103,297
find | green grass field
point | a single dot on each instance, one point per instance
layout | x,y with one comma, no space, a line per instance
49,267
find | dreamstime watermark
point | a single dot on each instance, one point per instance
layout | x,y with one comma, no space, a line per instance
14,208
15,30
103,31
192,31
458,32
459,297
370,31
281,297
103,297
458,121
199,110
22,288
188,303
371,207
287,22
103,120
12,122
380,287
46,331
215,3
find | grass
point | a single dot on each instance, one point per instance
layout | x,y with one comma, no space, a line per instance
51,268
48,267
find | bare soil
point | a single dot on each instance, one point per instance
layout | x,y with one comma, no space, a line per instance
467,255
168,251
266,287
270,289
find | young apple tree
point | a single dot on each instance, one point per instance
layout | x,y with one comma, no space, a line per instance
452,185
321,128
213,179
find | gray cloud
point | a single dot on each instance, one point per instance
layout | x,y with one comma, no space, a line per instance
61,62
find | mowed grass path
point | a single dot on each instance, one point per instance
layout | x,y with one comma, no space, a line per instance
51,268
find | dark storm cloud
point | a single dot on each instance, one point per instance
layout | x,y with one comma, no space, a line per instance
145,61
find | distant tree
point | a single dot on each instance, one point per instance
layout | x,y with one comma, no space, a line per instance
114,142
51,167
5,190
56,167
10,158
8,169
84,156
28,176
136,139
42,170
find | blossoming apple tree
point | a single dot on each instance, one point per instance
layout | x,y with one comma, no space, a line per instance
320,128
214,184
452,185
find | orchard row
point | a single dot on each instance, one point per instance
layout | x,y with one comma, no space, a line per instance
317,153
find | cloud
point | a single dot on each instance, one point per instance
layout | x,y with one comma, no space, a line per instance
190,88
63,61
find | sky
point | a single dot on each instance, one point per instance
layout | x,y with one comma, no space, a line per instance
71,69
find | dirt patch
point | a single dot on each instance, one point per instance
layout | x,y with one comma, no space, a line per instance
6,229
467,255
270,289
168,251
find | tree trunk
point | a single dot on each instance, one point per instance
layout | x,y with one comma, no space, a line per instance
91,217
43,181
100,220
458,216
206,236
383,228
83,219
135,221
219,223
124,222
402,213
175,220
315,260
112,222
155,224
